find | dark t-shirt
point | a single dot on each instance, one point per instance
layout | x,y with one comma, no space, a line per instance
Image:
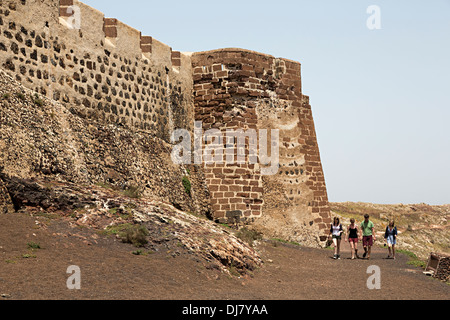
353,232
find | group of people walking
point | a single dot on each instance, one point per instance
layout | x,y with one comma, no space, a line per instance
365,233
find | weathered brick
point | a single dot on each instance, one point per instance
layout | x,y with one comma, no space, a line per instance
66,2
235,188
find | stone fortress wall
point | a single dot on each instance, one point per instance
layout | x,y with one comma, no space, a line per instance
109,72
104,70
241,89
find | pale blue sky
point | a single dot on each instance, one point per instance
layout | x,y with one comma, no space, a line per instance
381,99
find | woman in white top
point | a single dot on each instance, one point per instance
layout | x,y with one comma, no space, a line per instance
336,231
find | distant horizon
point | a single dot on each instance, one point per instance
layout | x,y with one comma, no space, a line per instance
379,97
392,204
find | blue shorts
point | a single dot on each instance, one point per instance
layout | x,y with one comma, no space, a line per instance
391,240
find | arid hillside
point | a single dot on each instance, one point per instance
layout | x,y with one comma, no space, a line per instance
422,228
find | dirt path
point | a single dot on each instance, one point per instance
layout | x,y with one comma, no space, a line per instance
109,270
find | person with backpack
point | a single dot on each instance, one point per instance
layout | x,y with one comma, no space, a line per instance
336,231
352,232
391,239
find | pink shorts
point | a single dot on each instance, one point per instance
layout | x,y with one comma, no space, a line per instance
354,240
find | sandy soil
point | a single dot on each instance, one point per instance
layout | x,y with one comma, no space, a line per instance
110,271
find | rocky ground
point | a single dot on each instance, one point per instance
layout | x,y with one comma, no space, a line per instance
150,225
186,257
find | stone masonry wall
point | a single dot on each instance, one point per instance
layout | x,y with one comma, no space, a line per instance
223,102
235,88
110,75
105,70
